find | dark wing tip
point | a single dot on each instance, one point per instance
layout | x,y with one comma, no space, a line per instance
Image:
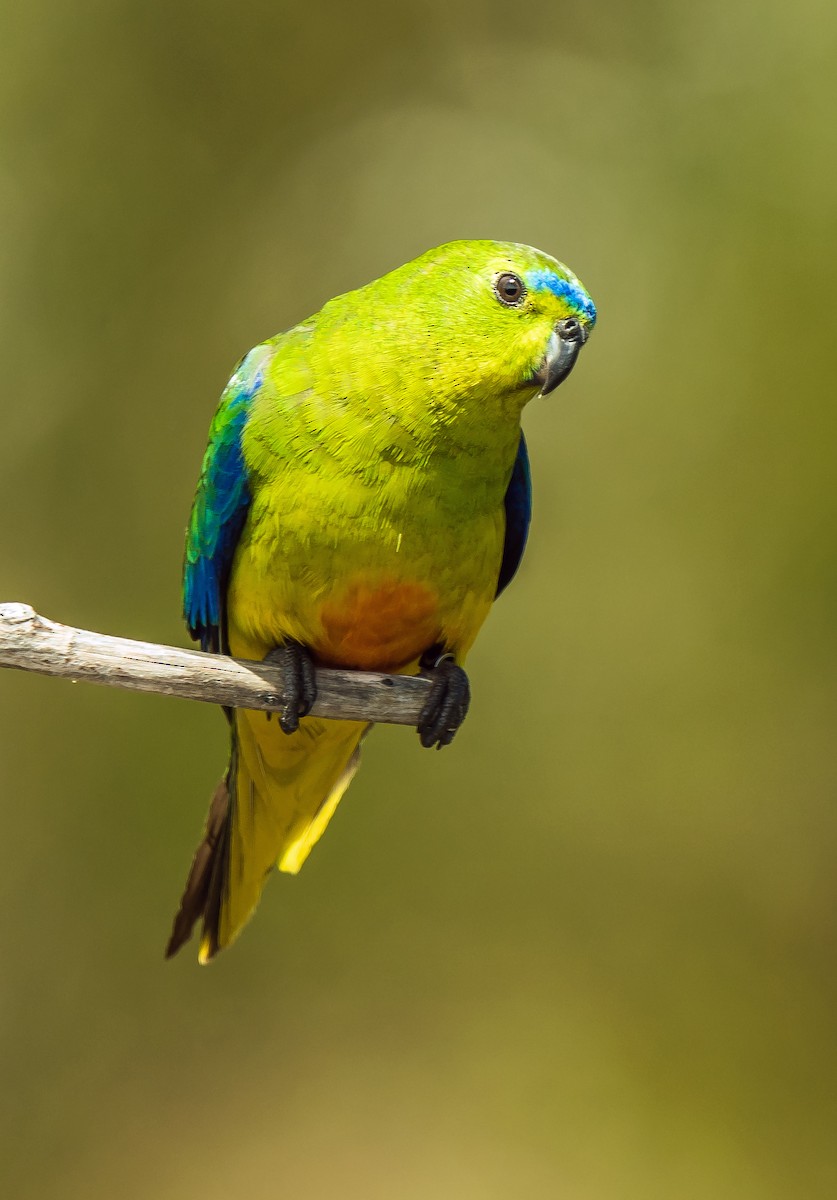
201,896
518,506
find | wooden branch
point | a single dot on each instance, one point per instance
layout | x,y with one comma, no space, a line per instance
30,642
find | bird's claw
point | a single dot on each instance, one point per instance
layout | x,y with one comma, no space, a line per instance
447,704
299,684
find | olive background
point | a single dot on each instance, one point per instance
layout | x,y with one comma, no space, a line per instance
589,951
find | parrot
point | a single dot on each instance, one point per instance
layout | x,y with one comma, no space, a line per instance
364,498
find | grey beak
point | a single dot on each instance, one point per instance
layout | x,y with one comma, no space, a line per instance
562,349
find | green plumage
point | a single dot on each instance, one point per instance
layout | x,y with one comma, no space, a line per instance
355,499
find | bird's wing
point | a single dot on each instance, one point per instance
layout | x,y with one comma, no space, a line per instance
220,507
518,503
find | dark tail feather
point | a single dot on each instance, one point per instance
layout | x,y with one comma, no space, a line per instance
204,887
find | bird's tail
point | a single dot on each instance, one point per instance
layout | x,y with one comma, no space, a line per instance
270,809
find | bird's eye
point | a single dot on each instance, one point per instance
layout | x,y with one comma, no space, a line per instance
509,289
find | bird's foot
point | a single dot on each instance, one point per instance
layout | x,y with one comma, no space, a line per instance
299,685
447,704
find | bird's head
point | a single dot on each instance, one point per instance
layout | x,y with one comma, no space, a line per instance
501,317
467,328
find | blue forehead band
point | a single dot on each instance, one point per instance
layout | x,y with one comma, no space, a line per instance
575,295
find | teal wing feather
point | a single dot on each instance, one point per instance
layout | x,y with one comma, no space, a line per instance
220,507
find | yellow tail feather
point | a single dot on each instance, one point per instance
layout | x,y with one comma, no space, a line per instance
284,792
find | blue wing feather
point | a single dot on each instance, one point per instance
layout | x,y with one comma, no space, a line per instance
518,503
220,508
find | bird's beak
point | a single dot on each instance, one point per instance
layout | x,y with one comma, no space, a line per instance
562,349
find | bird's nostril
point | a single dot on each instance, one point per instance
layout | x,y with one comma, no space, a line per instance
571,329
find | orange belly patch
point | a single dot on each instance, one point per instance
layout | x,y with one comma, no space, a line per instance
378,627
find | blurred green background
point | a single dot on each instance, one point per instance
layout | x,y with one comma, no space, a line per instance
588,954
